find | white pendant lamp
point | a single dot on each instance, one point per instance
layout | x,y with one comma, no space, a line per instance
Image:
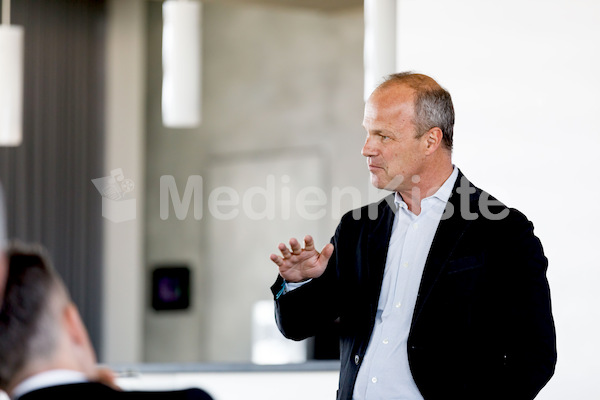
380,42
11,80
181,43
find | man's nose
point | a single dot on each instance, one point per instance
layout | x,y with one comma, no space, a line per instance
368,149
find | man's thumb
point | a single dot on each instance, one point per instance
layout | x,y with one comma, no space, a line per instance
327,252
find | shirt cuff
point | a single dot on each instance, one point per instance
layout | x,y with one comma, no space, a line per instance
289,286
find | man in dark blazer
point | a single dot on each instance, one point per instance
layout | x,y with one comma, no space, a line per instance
440,290
45,352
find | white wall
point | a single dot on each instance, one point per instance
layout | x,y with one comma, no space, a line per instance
524,79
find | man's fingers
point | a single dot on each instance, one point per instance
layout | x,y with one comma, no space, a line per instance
276,259
295,246
106,376
285,252
297,264
309,243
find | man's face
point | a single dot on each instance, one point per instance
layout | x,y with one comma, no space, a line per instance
394,155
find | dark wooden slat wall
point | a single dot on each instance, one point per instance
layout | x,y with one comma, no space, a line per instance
47,180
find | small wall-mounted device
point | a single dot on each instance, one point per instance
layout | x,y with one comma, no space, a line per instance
171,288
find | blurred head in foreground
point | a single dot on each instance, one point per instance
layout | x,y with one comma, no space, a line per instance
40,327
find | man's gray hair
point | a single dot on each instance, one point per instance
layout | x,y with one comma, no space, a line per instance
433,104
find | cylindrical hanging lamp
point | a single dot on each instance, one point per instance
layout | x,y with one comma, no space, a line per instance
380,42
182,75
11,80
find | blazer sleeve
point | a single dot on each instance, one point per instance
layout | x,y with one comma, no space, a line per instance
301,313
530,356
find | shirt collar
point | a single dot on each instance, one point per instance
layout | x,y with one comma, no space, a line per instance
443,193
46,379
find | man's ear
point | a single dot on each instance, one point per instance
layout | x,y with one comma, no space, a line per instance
74,325
433,140
79,349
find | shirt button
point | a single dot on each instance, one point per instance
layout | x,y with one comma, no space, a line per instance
398,305
416,225
385,341
356,359
405,264
374,379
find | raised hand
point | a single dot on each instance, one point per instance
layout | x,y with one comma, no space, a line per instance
298,264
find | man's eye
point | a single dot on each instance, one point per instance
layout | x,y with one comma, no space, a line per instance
384,137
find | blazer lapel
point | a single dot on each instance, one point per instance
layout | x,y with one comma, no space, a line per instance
378,241
448,234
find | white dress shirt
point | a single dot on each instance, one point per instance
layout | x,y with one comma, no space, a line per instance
384,372
46,379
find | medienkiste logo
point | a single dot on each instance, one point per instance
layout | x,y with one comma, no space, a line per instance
118,203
